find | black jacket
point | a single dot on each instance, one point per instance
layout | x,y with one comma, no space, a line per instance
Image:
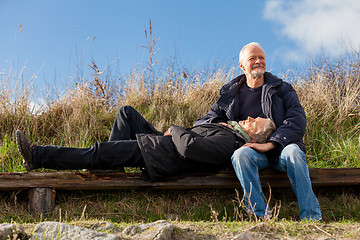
204,148
279,102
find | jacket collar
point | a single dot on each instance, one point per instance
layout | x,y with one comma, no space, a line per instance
232,87
271,79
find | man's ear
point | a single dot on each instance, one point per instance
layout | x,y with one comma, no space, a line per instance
241,66
251,138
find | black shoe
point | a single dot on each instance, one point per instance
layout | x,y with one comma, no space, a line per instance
25,149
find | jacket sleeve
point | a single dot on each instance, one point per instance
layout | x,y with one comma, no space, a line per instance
215,149
215,115
220,111
293,126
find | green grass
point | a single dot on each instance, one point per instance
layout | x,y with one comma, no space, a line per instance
334,151
337,205
8,153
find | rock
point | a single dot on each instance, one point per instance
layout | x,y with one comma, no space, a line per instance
12,231
62,231
159,230
243,236
105,226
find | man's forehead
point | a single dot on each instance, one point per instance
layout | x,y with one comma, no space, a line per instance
260,123
254,51
261,120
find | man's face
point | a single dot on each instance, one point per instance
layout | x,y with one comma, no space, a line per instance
253,61
253,125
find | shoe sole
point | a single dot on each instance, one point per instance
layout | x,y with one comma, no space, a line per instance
20,149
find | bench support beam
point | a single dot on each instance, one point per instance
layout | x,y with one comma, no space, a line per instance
42,200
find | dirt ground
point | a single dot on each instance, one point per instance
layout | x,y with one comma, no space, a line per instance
252,230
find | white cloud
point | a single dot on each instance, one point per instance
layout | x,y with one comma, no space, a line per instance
317,25
38,106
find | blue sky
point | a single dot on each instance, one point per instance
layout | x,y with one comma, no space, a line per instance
53,40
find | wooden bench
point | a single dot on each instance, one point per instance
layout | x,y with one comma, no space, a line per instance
42,186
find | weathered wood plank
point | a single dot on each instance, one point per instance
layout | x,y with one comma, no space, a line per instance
42,200
111,181
323,177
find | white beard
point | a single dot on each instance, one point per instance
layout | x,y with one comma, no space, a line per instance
257,74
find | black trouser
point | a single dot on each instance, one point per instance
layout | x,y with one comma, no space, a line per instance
121,150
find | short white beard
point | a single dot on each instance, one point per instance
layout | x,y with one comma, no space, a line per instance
257,74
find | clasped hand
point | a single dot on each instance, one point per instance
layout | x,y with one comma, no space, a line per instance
260,147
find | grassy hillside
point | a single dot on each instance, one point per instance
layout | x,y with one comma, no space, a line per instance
329,91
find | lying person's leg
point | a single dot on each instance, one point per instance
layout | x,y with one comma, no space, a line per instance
128,123
103,155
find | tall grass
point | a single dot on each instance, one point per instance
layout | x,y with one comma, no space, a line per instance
85,113
175,100
328,90
330,93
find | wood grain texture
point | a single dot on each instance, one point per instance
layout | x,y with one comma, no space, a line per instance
320,177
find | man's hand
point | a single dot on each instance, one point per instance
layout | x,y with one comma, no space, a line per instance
260,147
225,124
167,133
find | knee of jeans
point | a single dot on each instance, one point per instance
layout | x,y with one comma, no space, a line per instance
242,154
292,148
294,153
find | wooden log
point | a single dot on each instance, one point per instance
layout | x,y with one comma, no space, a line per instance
112,181
335,177
42,185
41,200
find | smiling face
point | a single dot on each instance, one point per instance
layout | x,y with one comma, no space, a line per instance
254,125
253,61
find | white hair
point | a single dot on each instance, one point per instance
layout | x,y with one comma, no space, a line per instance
243,49
263,134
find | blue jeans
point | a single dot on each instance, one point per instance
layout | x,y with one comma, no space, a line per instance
247,163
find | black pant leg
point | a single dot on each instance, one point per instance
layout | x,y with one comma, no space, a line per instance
103,155
128,123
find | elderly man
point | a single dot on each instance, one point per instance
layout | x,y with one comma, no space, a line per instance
257,93
136,143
